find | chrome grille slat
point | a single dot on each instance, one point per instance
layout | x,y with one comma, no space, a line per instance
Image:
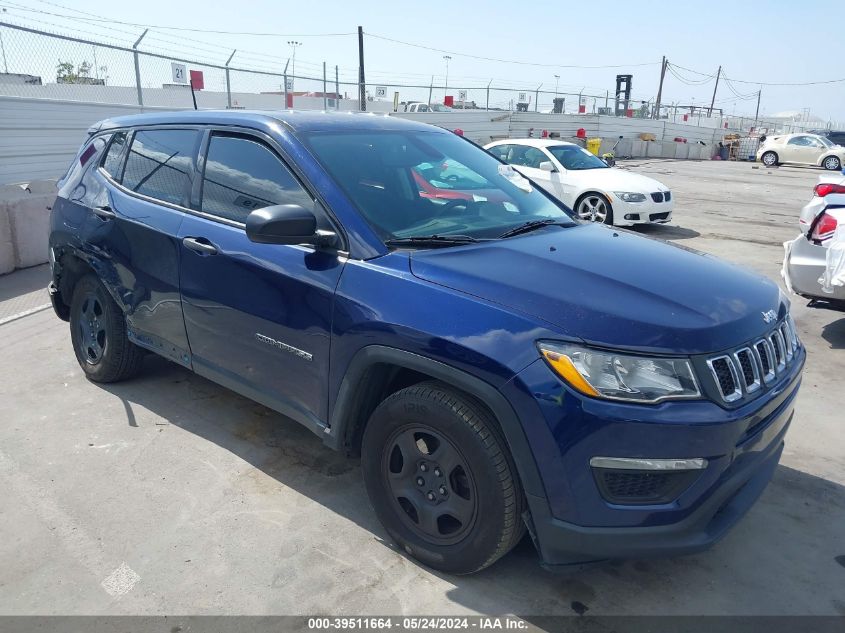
744,371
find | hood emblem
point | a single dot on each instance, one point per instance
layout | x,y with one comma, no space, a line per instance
769,316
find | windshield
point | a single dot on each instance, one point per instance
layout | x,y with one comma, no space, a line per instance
419,183
574,157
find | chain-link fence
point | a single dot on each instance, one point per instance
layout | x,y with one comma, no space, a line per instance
39,64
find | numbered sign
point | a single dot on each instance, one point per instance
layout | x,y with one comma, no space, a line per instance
523,97
462,95
289,83
381,91
180,73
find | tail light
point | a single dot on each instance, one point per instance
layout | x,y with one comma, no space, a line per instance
824,227
827,188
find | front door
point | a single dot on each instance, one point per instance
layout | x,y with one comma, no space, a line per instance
802,149
258,316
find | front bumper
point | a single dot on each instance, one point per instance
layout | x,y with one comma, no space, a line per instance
646,212
574,524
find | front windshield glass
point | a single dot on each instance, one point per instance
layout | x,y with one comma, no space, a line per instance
419,183
574,157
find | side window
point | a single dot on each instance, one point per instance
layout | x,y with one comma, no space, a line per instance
533,157
113,160
160,164
803,141
501,152
242,175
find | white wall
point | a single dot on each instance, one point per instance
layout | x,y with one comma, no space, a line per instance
39,137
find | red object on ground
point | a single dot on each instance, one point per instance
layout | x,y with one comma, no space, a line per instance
544,134
629,113
458,131
680,139
449,100
582,109
581,133
196,79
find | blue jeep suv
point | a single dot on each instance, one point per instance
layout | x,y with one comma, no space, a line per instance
498,365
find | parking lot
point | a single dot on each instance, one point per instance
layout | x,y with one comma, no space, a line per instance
170,494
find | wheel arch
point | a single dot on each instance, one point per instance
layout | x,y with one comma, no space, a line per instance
73,264
374,370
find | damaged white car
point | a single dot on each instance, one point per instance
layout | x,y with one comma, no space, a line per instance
814,262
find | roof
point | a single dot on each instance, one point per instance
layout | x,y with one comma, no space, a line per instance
296,121
534,142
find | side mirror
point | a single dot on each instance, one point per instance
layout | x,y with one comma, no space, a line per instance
547,165
286,224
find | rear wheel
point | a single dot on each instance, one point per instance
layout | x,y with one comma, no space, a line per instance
769,159
832,163
440,479
98,333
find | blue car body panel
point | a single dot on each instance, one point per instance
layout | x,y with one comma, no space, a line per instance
295,327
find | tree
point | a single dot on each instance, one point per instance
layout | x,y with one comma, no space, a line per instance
66,73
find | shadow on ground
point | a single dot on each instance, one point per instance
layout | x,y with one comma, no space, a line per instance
24,281
786,557
666,231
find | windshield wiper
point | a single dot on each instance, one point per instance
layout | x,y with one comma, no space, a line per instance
433,240
527,227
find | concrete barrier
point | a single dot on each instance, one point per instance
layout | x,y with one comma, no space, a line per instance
25,223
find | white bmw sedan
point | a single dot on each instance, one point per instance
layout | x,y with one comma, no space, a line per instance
584,183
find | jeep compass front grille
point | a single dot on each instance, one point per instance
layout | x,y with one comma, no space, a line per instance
744,371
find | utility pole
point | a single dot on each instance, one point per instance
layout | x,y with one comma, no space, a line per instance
294,45
660,88
362,85
285,75
715,88
446,83
557,79
757,111
228,84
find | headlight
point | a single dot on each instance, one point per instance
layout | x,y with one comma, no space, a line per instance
630,196
618,376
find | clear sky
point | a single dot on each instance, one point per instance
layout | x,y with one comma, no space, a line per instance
753,41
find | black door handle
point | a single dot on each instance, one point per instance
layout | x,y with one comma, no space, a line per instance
104,212
200,245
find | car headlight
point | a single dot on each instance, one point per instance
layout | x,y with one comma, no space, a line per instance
630,196
620,376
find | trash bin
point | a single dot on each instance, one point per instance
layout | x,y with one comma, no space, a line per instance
593,145
724,153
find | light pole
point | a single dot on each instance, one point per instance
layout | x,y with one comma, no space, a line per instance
294,45
557,78
446,83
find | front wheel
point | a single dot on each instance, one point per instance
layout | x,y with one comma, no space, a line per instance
769,159
594,207
98,333
832,163
440,478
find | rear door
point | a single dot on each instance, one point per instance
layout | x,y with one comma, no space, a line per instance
146,179
258,316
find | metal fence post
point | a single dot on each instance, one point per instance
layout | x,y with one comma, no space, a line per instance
336,89
488,94
537,98
430,89
138,68
285,75
325,98
229,85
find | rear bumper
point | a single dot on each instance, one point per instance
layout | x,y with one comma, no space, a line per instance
805,265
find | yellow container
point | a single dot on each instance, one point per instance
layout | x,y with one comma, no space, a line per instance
593,145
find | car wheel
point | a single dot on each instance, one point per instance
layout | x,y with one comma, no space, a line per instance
98,333
594,207
440,478
769,159
832,163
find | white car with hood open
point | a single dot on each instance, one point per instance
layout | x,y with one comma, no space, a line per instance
585,183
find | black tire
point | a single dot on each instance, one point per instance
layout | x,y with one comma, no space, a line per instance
478,471
832,163
772,161
98,334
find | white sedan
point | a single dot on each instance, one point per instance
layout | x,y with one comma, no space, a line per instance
584,182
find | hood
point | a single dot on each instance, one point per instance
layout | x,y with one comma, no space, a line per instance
615,179
612,288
